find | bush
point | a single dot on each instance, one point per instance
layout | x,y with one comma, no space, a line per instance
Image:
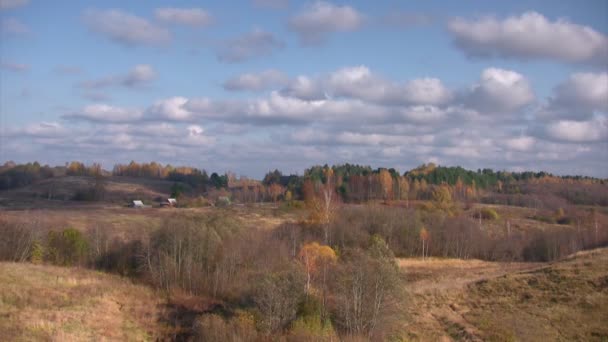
486,214
565,220
545,219
68,247
214,328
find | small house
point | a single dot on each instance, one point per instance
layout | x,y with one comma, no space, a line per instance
137,204
170,202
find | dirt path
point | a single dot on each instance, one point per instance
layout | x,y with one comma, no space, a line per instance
435,286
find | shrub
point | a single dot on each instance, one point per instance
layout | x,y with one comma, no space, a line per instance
214,328
486,214
546,219
565,220
68,247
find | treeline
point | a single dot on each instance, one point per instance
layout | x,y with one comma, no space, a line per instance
356,183
196,178
15,176
353,183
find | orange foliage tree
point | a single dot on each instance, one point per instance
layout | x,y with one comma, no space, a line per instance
316,258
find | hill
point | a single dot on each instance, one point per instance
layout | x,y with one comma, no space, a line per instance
55,191
70,304
475,300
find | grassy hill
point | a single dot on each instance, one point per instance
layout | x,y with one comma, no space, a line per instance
69,304
475,300
54,191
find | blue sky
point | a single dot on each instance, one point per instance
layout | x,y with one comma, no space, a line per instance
256,85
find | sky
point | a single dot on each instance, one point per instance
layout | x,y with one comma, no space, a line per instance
251,86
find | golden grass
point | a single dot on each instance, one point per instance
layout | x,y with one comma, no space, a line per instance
69,304
476,300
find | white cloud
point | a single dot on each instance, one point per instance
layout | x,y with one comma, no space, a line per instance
105,113
528,36
320,19
44,130
264,80
170,109
195,17
139,76
360,83
522,143
125,28
10,4
592,130
255,44
499,91
578,97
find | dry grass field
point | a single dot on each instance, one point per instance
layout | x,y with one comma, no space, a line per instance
472,300
41,303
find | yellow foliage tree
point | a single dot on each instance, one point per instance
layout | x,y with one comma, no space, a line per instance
316,258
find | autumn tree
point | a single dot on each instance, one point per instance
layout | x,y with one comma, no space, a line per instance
322,201
404,190
367,294
316,258
275,190
442,199
386,183
424,238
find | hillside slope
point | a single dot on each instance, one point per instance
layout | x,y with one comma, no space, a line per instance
70,304
54,191
474,300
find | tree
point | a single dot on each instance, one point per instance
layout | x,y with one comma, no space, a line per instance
386,183
275,190
277,295
404,190
442,198
366,290
315,258
424,237
176,190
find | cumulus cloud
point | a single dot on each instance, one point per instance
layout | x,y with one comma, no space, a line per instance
255,44
105,113
17,67
125,28
170,109
43,130
10,4
320,19
139,76
530,36
195,17
579,97
263,80
521,143
499,91
592,130
360,83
